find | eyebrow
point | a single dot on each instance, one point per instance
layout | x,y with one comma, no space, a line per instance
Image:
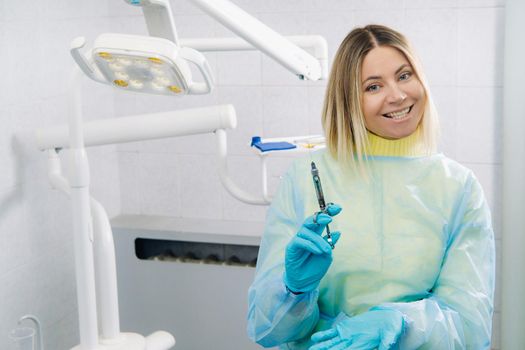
374,77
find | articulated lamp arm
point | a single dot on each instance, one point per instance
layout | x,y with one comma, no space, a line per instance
160,23
293,58
159,18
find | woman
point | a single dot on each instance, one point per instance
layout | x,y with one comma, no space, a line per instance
413,262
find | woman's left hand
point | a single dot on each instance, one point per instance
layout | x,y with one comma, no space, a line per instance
378,328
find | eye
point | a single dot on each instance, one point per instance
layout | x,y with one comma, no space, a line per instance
405,75
372,88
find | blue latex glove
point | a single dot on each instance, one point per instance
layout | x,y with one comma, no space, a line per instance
379,328
308,255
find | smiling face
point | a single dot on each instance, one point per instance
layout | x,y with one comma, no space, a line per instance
393,98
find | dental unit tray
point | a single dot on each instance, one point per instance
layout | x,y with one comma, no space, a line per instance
295,144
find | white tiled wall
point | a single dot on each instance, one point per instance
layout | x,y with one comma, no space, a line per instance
459,41
36,250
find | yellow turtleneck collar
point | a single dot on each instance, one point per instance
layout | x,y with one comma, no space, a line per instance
410,146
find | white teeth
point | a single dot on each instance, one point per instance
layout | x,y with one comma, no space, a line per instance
398,115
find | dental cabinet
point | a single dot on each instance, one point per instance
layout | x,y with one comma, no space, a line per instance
189,277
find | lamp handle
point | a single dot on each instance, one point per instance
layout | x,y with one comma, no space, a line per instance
82,61
200,61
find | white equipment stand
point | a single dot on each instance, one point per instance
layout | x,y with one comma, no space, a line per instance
95,266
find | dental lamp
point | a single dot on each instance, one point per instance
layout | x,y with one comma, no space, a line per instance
158,63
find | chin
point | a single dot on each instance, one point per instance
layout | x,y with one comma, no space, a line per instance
399,134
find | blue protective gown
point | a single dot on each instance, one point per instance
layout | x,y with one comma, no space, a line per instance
416,237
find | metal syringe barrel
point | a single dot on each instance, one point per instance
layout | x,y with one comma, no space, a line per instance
318,187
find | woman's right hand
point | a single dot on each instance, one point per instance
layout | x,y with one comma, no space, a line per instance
308,255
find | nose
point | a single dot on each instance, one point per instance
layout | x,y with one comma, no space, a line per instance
396,95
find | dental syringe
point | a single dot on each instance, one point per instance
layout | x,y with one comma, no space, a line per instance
320,200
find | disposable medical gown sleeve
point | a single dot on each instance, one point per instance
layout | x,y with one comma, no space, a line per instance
276,316
458,312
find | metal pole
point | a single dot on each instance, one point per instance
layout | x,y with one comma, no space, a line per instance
513,238
82,226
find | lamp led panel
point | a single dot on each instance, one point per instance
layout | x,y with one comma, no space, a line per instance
141,64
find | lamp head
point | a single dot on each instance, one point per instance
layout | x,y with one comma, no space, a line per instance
143,64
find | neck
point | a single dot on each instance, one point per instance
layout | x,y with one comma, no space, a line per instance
410,146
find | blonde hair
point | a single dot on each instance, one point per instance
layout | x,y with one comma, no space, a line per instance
342,117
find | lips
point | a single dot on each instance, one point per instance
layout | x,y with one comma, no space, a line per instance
398,114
